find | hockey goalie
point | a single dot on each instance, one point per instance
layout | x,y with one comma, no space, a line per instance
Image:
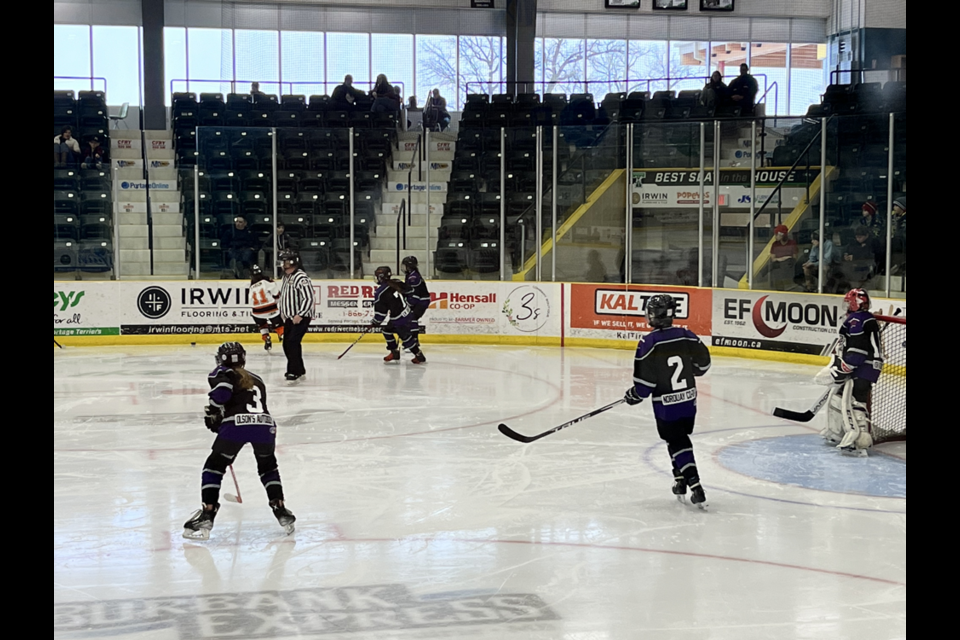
854,368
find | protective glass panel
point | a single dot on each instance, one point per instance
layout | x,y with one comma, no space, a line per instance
590,203
898,226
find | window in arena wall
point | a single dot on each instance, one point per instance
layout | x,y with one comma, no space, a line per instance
689,65
563,65
116,57
210,60
647,60
71,56
349,54
807,76
392,55
481,63
538,64
768,64
258,60
606,67
436,64
301,59
174,62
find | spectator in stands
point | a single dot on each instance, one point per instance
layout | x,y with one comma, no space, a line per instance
241,245
818,252
412,108
92,154
871,220
284,241
860,258
385,98
743,90
65,148
783,258
345,95
435,112
715,93
255,91
899,239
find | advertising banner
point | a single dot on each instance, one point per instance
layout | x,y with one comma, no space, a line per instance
400,165
789,322
617,312
85,309
128,163
142,185
435,187
125,143
435,145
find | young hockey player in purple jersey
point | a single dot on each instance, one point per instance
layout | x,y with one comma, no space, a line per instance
667,362
390,306
854,368
416,289
238,414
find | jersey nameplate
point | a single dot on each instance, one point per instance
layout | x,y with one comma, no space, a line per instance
677,398
252,418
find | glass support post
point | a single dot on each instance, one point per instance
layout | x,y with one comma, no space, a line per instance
539,206
116,225
715,265
426,166
553,204
703,170
888,260
351,208
821,223
503,179
196,221
753,201
274,252
628,211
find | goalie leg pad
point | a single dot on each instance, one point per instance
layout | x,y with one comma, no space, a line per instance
834,430
856,422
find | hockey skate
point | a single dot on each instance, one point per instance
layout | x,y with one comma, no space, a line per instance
698,498
284,516
393,356
200,523
292,378
267,345
419,358
680,489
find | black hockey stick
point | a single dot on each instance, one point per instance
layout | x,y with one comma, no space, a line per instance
57,343
365,332
804,416
510,433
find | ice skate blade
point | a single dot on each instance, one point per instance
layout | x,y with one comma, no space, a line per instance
853,453
703,506
289,528
200,534
682,499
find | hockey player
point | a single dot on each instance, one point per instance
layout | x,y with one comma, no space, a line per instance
238,414
264,293
416,289
854,367
391,306
667,362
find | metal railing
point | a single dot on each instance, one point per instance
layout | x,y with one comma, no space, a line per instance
290,86
405,214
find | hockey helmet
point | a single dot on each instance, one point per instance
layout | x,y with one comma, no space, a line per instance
382,274
231,354
857,300
257,274
290,259
410,264
660,310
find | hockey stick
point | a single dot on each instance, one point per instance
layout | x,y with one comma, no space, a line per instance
57,343
229,497
804,416
365,332
510,433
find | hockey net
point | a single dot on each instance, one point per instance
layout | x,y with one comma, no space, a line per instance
888,403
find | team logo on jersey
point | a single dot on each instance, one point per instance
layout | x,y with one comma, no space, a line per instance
154,302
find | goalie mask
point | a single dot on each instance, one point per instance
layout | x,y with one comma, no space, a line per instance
856,300
231,354
660,311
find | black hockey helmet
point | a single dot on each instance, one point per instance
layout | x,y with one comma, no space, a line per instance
231,354
257,274
290,258
660,310
382,274
410,264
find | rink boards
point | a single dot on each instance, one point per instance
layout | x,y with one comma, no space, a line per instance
771,325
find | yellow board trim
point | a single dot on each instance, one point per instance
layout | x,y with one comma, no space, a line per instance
761,260
562,230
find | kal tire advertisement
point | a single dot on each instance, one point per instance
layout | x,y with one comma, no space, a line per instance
794,323
616,312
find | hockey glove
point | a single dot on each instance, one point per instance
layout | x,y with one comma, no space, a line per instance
840,371
632,397
212,417
376,323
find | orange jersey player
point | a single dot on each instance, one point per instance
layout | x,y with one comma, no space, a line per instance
264,293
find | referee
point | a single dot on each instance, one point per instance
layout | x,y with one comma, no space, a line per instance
296,309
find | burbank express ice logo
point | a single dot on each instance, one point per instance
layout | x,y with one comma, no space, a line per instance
527,308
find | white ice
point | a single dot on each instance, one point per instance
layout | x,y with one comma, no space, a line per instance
417,519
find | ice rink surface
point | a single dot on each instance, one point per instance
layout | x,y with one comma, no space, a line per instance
418,519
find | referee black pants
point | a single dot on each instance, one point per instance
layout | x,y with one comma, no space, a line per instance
292,337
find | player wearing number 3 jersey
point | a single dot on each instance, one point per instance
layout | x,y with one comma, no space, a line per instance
668,361
237,412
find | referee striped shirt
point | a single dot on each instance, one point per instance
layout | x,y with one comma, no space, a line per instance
296,295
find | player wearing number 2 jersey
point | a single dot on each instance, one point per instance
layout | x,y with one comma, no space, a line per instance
668,361
237,412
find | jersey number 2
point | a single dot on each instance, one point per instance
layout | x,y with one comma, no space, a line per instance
257,405
675,381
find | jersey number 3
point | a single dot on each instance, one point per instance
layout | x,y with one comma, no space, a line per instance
675,381
257,405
